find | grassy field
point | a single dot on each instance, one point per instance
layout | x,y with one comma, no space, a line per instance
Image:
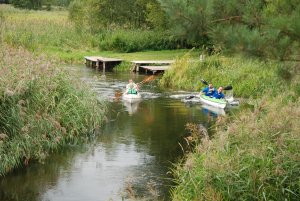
52,34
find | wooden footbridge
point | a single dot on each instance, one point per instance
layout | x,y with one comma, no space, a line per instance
103,63
153,66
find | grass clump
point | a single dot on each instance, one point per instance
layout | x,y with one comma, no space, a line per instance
249,78
254,156
41,109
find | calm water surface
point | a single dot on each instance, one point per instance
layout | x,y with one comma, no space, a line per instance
133,152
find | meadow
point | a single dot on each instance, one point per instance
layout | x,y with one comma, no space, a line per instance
54,35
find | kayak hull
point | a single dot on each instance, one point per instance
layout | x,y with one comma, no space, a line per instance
218,103
132,97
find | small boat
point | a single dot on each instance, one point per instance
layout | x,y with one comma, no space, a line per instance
218,103
131,98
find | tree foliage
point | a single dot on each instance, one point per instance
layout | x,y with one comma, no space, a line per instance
108,14
258,27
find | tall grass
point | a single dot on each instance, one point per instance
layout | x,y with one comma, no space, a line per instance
44,31
254,156
249,77
41,109
52,33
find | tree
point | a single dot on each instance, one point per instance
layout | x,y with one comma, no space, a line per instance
258,27
189,19
100,14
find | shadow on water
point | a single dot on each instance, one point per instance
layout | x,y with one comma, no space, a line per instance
130,158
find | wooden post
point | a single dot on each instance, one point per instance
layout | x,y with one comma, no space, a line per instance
104,67
97,64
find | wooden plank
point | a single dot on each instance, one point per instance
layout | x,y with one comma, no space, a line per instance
103,59
154,62
155,68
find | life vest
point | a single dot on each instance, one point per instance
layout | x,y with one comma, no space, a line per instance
132,91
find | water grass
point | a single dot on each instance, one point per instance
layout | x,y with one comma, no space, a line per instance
41,109
252,156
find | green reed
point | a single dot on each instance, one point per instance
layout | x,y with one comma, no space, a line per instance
41,109
252,156
249,77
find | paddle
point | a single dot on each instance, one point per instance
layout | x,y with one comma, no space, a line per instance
229,87
147,79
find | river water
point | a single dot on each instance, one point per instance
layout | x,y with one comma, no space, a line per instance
132,156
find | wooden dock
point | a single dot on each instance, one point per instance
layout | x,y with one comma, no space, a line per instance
151,65
101,62
154,69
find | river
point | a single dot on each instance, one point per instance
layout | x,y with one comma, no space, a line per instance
130,158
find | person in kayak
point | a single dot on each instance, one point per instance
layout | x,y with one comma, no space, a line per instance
131,87
209,91
219,94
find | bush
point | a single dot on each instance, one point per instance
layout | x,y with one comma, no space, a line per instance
138,40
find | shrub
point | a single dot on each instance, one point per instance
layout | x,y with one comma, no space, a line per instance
137,40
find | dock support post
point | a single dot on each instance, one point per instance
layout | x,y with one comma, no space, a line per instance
104,67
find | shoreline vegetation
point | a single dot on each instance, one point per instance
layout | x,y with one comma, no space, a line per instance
42,108
253,155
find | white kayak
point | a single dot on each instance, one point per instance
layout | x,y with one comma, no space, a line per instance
132,97
218,103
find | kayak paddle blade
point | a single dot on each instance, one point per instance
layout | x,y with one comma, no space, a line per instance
189,97
204,82
228,87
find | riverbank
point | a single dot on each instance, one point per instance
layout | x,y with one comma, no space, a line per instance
42,109
253,155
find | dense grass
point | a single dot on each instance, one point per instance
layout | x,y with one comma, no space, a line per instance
252,156
139,40
41,109
56,36
249,77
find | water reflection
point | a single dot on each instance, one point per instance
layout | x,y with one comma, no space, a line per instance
131,107
212,111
